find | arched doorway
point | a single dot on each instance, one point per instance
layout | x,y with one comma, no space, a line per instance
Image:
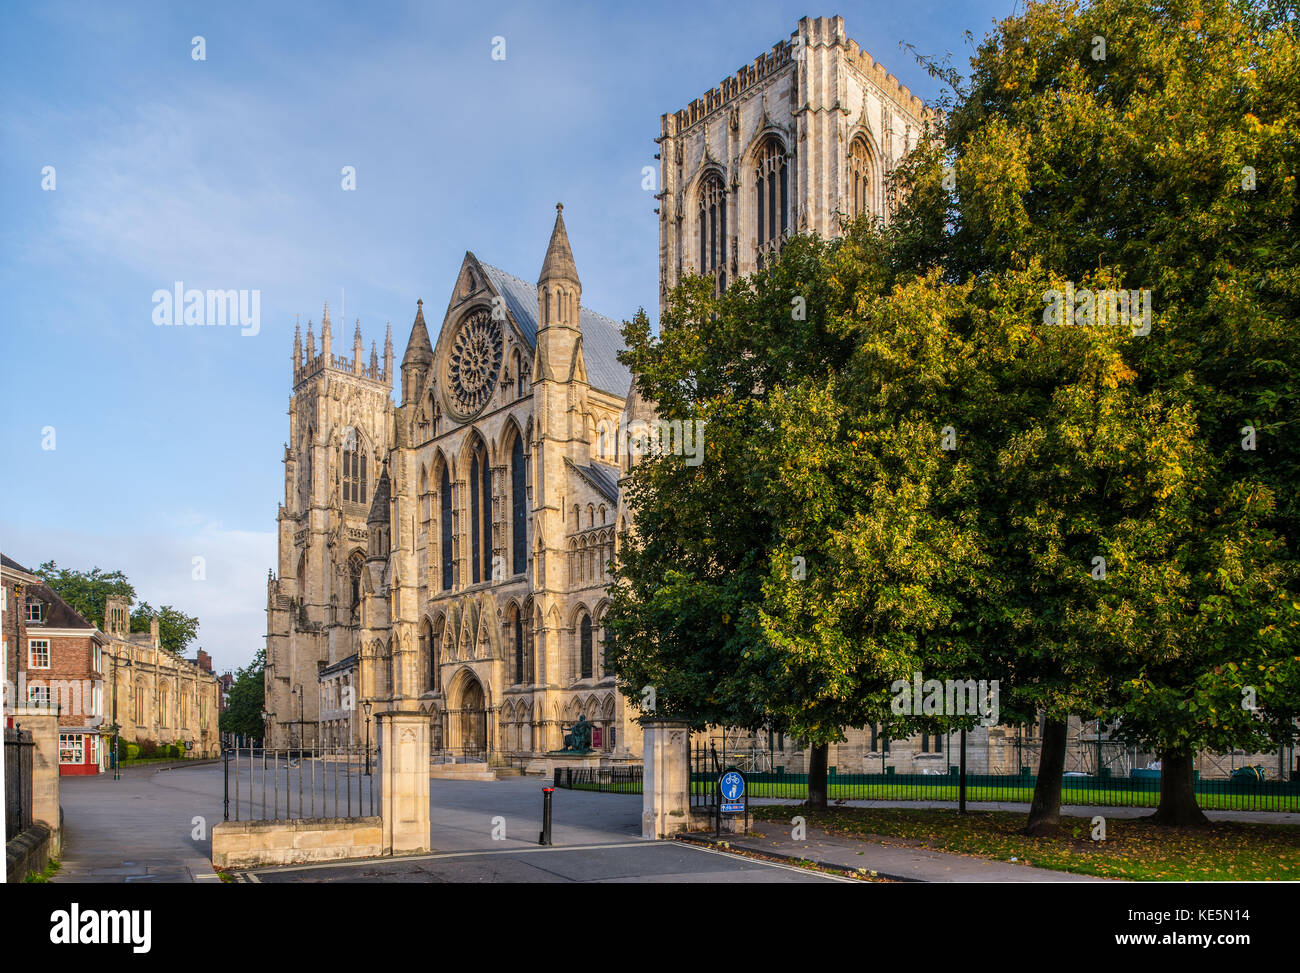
473,720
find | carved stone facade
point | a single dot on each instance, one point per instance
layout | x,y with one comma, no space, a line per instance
450,553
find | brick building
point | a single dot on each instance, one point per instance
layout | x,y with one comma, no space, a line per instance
54,661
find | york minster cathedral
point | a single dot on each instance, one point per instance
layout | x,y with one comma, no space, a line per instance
448,550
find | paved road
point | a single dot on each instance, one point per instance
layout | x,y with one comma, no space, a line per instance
141,829
639,861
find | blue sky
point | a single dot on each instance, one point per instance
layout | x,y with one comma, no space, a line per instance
225,173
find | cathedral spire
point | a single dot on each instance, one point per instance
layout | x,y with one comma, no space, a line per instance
388,353
297,345
418,357
357,348
325,336
374,359
311,343
559,257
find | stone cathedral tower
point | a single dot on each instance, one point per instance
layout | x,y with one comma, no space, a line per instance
340,417
803,135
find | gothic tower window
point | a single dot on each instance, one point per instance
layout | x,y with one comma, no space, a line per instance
773,194
304,483
859,178
355,563
444,517
518,507
584,639
354,468
713,231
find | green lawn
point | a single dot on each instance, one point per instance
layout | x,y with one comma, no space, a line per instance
1133,849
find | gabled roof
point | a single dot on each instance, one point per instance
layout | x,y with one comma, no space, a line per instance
604,479
602,337
58,613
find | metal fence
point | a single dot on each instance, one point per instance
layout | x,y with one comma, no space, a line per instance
19,752
279,785
610,780
705,770
1142,789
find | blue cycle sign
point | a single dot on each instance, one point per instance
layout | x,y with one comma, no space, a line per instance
732,785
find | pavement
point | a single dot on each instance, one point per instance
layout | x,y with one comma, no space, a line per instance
901,864
141,828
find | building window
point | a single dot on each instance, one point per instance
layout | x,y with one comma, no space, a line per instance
35,611
518,507
860,181
354,469
713,231
585,645
355,563
38,696
445,528
773,194
925,743
38,653
71,748
480,516
519,649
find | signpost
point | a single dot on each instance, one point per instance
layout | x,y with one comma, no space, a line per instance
733,796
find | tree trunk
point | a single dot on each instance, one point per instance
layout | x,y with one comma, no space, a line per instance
1045,811
817,777
1178,806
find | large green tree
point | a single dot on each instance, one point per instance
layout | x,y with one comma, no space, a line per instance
243,712
176,630
1150,147
88,592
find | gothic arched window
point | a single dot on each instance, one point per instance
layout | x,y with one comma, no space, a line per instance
584,640
518,507
444,518
355,564
713,230
860,181
773,191
519,648
480,515
354,468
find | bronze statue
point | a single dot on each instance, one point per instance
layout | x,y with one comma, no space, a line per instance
578,739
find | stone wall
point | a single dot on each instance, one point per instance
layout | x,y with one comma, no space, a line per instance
246,844
28,852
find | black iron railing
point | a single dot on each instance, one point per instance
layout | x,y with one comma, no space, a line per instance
609,780
312,782
19,752
1240,792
